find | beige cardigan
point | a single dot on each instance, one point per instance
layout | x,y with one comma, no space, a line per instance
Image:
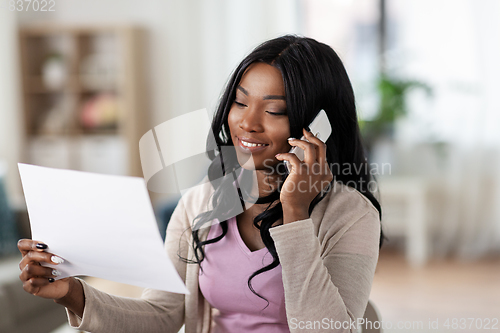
328,262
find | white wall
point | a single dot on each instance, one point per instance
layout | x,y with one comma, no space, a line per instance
10,121
192,45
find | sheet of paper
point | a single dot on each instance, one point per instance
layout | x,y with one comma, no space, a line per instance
101,225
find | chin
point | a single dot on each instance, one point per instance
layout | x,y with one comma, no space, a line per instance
247,162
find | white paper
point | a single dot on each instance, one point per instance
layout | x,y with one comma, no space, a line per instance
101,225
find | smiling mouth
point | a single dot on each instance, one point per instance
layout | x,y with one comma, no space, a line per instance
251,147
249,144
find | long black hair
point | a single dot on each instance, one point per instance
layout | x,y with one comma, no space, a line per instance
314,79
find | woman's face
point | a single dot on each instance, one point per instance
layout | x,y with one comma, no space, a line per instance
258,119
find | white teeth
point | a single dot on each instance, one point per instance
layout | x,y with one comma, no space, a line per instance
248,144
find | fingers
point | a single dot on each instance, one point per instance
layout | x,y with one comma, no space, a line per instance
36,271
38,257
33,285
25,245
292,158
315,149
322,167
314,155
314,152
309,149
35,277
319,145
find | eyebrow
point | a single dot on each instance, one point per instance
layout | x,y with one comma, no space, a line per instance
243,90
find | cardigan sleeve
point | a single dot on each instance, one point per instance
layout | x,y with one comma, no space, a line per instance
156,311
327,291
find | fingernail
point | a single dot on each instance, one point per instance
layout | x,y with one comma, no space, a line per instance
51,280
41,246
55,272
57,260
277,155
291,139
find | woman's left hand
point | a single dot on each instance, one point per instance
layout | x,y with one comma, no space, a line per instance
306,179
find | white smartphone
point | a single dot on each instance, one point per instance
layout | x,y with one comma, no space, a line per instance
320,127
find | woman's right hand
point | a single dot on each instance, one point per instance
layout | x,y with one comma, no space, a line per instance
39,280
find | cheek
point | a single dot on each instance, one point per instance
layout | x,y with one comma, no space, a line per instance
281,139
286,147
232,120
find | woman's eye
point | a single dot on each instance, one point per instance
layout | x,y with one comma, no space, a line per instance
239,104
277,113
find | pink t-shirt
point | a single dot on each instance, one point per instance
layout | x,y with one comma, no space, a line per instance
223,282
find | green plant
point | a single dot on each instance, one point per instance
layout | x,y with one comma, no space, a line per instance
393,93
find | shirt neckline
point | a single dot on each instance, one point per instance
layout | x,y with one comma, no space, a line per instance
240,241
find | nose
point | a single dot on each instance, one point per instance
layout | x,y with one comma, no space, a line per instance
251,120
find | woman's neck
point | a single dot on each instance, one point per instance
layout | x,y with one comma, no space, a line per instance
268,183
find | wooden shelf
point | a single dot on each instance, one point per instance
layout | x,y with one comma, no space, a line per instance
101,131
87,64
35,85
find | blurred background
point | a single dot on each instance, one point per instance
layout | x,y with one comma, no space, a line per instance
82,81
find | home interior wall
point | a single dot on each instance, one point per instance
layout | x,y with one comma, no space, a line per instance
10,117
191,46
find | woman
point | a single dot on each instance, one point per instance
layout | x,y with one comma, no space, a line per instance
302,258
